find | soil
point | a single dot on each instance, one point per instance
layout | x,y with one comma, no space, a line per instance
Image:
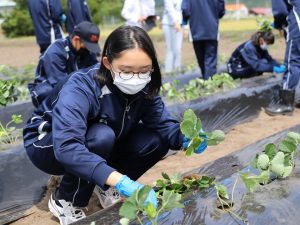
237,138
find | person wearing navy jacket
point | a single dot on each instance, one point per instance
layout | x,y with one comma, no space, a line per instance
252,57
203,17
63,57
46,16
286,95
280,13
107,126
78,11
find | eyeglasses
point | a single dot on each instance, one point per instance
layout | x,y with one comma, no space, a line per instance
129,75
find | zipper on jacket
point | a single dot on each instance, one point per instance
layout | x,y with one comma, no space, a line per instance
126,110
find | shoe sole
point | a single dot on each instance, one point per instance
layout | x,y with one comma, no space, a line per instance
54,212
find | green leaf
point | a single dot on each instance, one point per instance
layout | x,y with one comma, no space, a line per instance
215,137
277,169
142,195
295,136
150,210
171,200
128,210
263,162
222,191
198,125
165,176
287,146
264,177
250,182
189,151
253,163
187,128
159,183
190,115
17,118
270,150
278,159
124,221
287,171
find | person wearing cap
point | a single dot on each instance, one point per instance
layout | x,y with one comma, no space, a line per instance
64,56
78,11
46,17
106,126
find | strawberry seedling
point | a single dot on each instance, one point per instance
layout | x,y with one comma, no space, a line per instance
134,207
275,160
191,127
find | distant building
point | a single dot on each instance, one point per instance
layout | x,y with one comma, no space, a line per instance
261,11
6,6
236,10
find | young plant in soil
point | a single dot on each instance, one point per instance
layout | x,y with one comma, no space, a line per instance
7,92
198,87
275,161
191,127
134,207
225,202
10,134
181,184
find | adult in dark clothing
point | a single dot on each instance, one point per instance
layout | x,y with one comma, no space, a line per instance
107,126
252,57
78,11
46,16
63,57
286,96
203,17
280,13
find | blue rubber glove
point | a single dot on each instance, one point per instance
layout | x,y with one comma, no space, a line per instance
126,187
273,25
63,18
200,149
279,69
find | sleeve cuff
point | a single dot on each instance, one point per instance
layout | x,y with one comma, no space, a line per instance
100,175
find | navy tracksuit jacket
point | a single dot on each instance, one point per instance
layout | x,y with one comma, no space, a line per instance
280,12
57,62
81,103
248,61
203,17
78,11
46,15
291,8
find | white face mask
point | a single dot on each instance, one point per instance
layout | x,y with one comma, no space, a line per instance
264,46
131,86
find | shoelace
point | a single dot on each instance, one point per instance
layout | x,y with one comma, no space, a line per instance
113,193
75,212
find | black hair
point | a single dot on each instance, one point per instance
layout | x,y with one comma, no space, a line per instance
268,37
124,38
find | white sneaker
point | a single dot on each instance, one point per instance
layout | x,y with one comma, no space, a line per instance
107,198
65,211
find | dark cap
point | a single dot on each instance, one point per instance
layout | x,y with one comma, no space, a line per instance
89,33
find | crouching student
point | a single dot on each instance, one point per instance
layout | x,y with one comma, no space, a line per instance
107,126
252,57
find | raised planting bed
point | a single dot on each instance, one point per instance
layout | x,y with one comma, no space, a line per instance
21,184
274,203
224,110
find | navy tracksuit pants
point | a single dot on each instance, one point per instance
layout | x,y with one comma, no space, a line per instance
207,57
133,156
292,62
